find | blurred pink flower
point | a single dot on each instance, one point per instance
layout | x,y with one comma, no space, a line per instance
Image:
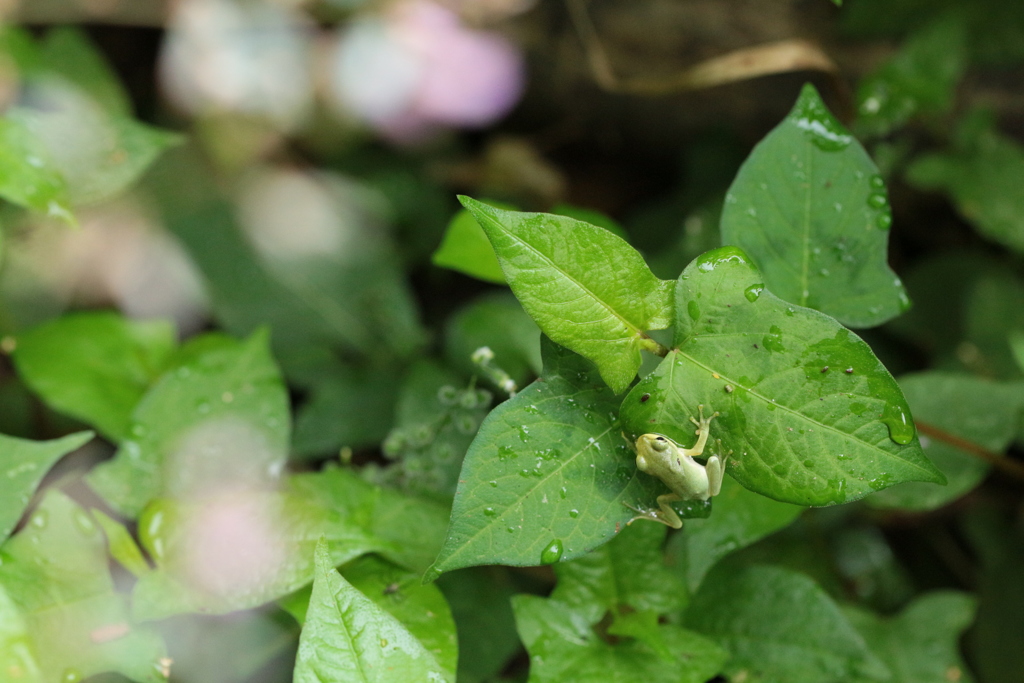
417,68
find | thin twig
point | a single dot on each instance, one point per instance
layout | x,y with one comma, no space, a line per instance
778,57
1008,465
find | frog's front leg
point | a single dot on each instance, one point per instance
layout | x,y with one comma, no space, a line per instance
665,514
703,432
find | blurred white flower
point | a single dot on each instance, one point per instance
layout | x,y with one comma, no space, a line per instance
417,68
248,58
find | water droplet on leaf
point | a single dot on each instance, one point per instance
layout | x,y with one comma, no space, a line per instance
552,552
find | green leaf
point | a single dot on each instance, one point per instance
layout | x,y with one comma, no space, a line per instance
983,177
348,638
587,289
587,216
480,601
780,627
25,463
122,546
977,410
15,646
465,248
420,607
97,154
498,322
348,406
547,476
564,646
28,176
94,366
920,644
55,573
629,572
219,418
740,517
66,51
809,207
810,414
920,78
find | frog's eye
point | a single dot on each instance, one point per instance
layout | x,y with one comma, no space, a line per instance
660,444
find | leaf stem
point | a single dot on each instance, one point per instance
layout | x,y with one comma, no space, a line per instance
1001,462
648,344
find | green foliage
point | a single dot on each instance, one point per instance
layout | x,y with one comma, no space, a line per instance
61,608
810,209
95,366
780,626
465,248
586,288
982,174
920,644
26,463
811,416
219,418
347,637
978,411
547,475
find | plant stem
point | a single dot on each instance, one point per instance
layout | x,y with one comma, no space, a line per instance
654,347
997,460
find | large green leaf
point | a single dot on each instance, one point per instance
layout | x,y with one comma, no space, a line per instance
25,463
780,628
547,476
349,639
810,414
586,288
220,417
94,366
809,207
56,576
740,518
984,177
920,644
976,410
420,607
564,646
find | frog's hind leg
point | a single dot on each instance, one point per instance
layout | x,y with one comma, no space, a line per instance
665,514
716,470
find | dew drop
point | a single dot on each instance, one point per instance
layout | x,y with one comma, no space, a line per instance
877,182
901,427
877,200
574,513
489,512
40,519
493,483
71,676
552,552
753,292
693,310
84,522
884,221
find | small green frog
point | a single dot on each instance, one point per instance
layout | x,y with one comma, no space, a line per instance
663,458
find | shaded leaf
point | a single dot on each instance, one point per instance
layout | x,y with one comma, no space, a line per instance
780,626
121,546
347,638
25,463
55,573
810,414
480,601
587,289
498,322
994,310
547,476
810,209
984,177
564,646
740,517
465,248
629,573
94,366
920,78
28,176
220,417
979,411
920,645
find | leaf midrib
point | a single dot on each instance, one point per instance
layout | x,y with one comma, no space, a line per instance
787,409
636,329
